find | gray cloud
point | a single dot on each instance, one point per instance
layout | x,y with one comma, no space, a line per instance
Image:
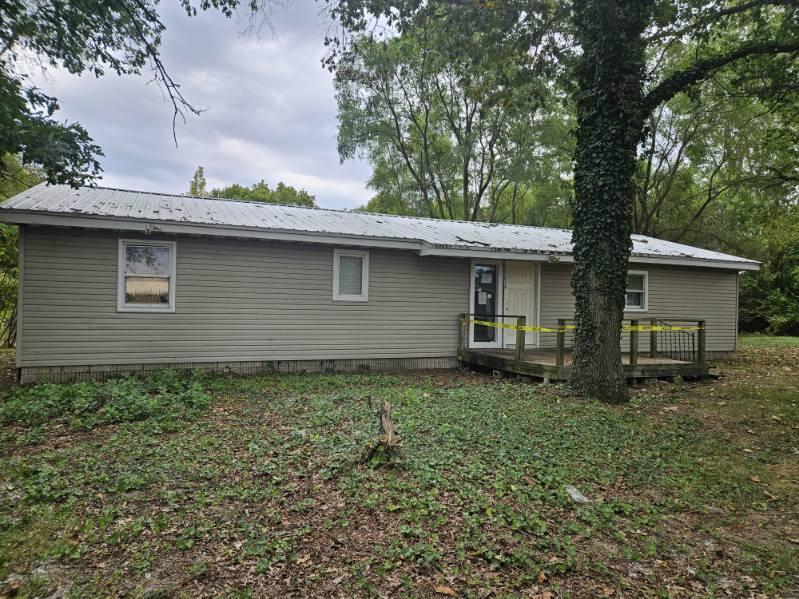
270,111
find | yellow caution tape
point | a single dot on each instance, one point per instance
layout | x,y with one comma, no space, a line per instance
571,327
515,327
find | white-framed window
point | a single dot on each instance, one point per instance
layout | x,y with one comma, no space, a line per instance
146,276
636,294
350,276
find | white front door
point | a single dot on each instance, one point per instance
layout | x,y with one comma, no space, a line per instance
486,302
521,296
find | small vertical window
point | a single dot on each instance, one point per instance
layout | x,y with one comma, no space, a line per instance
146,276
350,276
635,297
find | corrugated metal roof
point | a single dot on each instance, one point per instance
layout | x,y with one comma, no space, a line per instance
433,233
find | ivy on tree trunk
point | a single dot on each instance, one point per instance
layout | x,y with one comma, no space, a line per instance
609,100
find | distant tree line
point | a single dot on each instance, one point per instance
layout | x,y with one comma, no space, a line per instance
257,192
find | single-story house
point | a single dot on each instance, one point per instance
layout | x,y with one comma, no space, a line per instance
114,280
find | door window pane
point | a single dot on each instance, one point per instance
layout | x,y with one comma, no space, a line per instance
485,301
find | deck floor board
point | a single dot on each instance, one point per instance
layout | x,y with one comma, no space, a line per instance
547,356
540,362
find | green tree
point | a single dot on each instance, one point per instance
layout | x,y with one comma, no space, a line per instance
613,105
91,36
611,50
709,150
769,299
14,178
197,183
448,125
720,169
261,192
258,192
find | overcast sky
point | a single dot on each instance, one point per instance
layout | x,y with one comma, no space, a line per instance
270,114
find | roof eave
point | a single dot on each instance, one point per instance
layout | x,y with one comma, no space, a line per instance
150,227
154,227
690,261
561,257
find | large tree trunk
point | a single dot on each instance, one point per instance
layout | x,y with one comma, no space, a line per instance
609,125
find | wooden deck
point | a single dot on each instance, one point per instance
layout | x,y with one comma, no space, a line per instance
542,363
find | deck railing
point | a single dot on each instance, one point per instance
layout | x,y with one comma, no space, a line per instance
681,339
465,321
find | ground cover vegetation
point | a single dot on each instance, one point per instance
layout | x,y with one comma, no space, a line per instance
207,485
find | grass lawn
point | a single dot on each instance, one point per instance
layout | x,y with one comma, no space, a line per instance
253,487
767,341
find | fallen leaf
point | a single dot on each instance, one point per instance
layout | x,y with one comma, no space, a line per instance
544,595
541,576
755,478
443,589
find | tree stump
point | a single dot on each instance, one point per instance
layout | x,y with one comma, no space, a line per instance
388,443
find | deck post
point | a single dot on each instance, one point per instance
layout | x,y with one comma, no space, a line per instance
560,347
653,339
520,321
701,351
633,342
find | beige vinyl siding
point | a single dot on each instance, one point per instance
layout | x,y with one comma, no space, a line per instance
235,300
556,301
674,292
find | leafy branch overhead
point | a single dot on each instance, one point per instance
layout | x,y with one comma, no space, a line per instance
93,37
